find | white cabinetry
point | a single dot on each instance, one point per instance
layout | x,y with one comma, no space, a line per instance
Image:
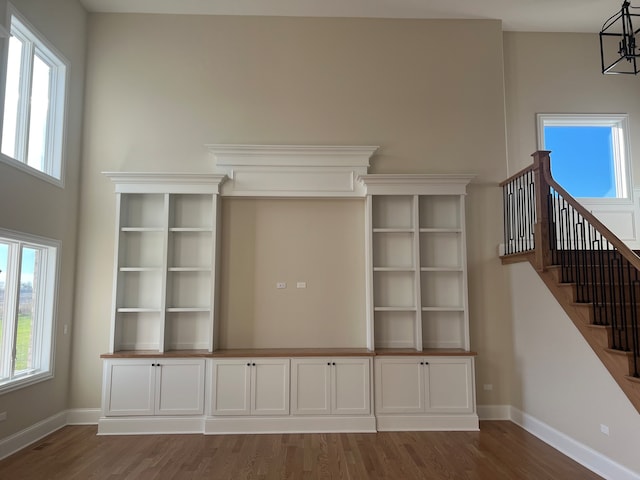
140,387
330,386
416,255
258,386
165,302
414,393
165,264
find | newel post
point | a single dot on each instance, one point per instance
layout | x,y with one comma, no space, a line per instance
542,171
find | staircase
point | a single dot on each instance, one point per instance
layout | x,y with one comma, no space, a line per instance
592,274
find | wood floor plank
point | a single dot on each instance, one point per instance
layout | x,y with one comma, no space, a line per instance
500,451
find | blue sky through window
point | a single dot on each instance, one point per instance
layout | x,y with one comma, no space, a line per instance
582,159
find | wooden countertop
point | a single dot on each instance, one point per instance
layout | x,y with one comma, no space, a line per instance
431,352
289,352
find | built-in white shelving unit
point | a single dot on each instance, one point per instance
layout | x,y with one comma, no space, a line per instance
165,263
417,261
417,365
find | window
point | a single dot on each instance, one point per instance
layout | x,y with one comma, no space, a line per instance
33,120
28,274
589,155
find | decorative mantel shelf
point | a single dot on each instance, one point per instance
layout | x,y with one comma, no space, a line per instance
292,170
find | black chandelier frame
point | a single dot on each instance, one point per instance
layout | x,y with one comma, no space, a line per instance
620,27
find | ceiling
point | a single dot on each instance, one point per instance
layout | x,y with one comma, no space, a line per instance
517,15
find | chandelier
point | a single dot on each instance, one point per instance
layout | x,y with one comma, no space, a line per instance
619,52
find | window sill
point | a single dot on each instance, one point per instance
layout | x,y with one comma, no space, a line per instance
18,383
31,171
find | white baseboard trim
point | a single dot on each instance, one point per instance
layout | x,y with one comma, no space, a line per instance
32,434
406,423
584,455
290,424
83,416
494,412
149,425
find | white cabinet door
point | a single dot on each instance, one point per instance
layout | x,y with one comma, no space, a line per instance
180,387
350,386
134,387
270,386
231,387
129,387
338,386
310,386
424,385
449,387
399,385
245,386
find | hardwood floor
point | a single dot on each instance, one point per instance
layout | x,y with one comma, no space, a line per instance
501,450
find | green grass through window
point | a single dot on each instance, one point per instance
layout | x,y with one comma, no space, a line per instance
23,342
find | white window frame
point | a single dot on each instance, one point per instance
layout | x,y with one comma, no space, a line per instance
46,309
54,165
621,152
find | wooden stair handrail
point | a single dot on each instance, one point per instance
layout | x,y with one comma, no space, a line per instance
542,165
516,175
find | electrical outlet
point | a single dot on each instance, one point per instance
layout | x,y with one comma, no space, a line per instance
604,429
281,285
3,416
301,285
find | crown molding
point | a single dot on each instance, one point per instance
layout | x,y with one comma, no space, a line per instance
292,170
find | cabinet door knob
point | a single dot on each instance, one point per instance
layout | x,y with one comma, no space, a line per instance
426,363
329,363
334,363
249,364
253,364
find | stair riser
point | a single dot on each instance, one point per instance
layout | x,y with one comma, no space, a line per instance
586,256
595,275
601,337
620,362
588,293
622,339
618,316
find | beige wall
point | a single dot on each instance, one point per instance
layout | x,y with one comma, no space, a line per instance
161,87
37,207
557,378
319,242
560,381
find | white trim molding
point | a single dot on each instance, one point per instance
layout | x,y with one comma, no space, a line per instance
137,182
291,424
581,453
425,184
292,170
